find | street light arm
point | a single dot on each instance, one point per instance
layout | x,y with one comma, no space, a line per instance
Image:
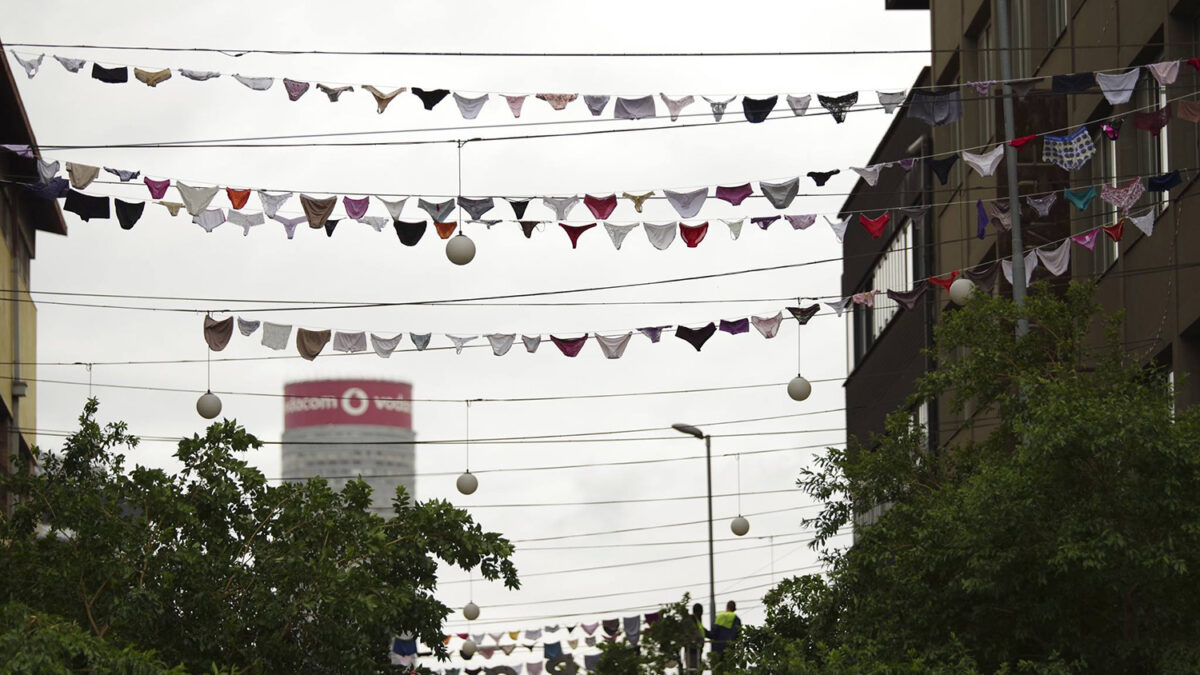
688,429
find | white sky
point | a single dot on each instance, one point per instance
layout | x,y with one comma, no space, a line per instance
171,256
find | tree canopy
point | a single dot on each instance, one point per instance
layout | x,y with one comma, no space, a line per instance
215,566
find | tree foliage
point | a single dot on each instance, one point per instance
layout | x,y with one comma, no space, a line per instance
1057,531
216,566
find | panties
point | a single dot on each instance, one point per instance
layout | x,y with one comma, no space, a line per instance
356,208
444,230
81,175
687,204
802,222
310,342
735,327
518,207
255,83
676,105
532,342
197,75
1164,182
237,198
476,208
1081,199
1112,129
696,337
890,100
780,194
1188,111
1075,83
128,213
634,108
560,205
838,105
289,224
601,207
799,104
638,200
515,103
31,66
822,177
869,173
941,167
350,342
558,101
718,107
617,233
908,299
595,104
875,226
210,219
469,107
1165,72
1145,222
936,108
270,202
569,346
660,236
110,75
409,232
758,109
151,78
295,89
438,211
693,234
734,195
1043,204
528,226
381,99
195,199
1152,121
244,220
317,210
1123,197
804,314
575,231
75,65
613,348
763,222
655,334
1118,89
1019,143
985,163
334,93
430,98
768,327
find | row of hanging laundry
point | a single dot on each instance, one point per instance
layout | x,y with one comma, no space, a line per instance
935,106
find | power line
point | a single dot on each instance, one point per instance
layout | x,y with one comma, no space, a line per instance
643,528
605,502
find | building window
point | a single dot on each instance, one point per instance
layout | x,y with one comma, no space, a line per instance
1101,213
1152,158
1036,25
985,72
893,270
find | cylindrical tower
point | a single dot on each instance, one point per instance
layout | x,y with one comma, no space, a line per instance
346,428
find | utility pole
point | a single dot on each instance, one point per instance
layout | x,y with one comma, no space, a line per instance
1010,161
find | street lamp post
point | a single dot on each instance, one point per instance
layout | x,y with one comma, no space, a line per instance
712,584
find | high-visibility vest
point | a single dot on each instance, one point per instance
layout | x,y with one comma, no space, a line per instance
726,619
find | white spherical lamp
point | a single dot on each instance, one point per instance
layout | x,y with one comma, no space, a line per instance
468,648
208,405
467,483
799,388
739,526
961,291
460,249
471,612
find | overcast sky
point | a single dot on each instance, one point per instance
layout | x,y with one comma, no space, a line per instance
168,256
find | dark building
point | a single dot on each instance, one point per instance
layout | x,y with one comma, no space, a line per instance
1150,278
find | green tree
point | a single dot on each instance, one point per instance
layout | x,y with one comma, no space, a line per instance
1058,531
215,566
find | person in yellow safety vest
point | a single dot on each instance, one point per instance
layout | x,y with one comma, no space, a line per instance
696,647
725,628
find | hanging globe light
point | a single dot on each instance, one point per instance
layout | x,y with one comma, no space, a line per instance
739,526
468,648
471,611
799,388
460,249
208,405
467,483
961,291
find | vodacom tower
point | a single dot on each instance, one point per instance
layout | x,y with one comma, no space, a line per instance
341,429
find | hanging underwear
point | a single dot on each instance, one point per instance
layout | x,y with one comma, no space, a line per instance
275,336
981,219
30,65
908,299
376,223
317,210
907,163
246,220
459,343
655,334
310,342
558,101
676,105
1118,89
500,343
330,226
634,108
875,227
560,205
237,198
985,163
199,75
1080,198
984,276
1112,129
1043,204
613,347
763,222
128,213
46,170
271,203
553,650
356,208
195,199
822,177
696,337
982,86
687,204
838,106
1164,182
476,208
217,333
758,109
780,194
1075,83
1145,222
735,326
1019,143
1188,111
255,83
110,75
1056,260
518,207
1152,121
420,340
531,346
334,93
1069,152
693,234
941,167
469,107
1031,263
617,233
295,89
660,236
81,175
718,107
569,346
839,227
438,211
638,200
601,207
916,213
515,103
767,327
1086,240
735,227
890,100
575,231
75,65
936,108
945,283
1165,72
1123,197
171,207
381,99
528,226
799,104
801,222
595,104
998,210
209,219
289,224
152,78
802,315
734,195
350,343
430,98
247,327
869,173
865,298
444,230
